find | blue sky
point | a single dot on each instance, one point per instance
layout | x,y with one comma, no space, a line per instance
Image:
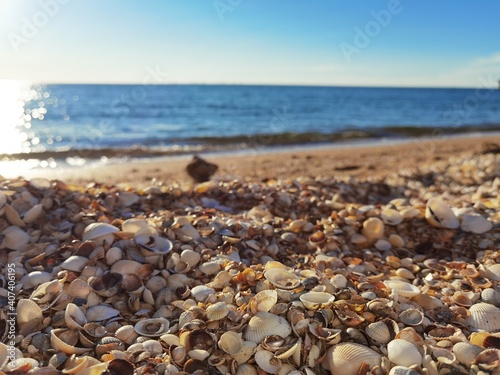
450,43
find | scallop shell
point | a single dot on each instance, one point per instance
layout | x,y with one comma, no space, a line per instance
402,370
127,334
317,300
484,317
403,353
465,352
461,299
125,266
282,279
391,217
373,228
217,311
382,331
246,352
264,300
74,317
65,340
100,233
265,324
440,215
154,327
101,312
246,369
492,272
29,316
347,358
475,224
267,362
231,342
489,359
402,288
491,296
412,317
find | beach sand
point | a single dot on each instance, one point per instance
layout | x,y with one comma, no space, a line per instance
342,161
347,259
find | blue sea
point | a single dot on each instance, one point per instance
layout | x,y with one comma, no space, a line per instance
140,120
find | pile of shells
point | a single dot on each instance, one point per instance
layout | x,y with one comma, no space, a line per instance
307,276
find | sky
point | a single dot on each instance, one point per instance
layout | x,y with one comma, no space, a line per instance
448,43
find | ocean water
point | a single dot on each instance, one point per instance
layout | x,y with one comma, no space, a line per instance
60,119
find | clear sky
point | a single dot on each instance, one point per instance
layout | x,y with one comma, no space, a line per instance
451,43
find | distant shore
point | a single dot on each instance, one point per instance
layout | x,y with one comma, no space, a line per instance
361,160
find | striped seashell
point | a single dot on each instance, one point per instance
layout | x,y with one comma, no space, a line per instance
491,296
127,334
382,331
465,352
491,272
484,317
217,311
267,362
402,288
154,327
347,358
231,342
264,300
246,369
411,317
403,353
265,324
246,352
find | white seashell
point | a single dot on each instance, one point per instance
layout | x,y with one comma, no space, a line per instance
491,296
402,288
217,311
127,198
402,370
170,339
35,278
3,348
265,324
475,224
13,216
40,183
440,215
113,255
347,358
264,300
100,233
74,263
127,334
78,289
199,354
491,272
373,228
317,300
96,369
231,342
125,266
247,369
210,268
484,316
101,312
396,240
74,317
246,352
16,364
282,278
29,316
153,243
267,362
339,281
33,213
201,292
64,340
379,332
190,231
153,347
403,272
411,317
409,213
404,353
178,280
154,327
15,238
134,225
156,283
391,217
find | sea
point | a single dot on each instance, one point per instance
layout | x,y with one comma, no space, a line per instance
76,123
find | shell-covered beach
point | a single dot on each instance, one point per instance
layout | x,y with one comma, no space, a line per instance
397,273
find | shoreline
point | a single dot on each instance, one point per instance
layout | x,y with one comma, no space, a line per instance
361,159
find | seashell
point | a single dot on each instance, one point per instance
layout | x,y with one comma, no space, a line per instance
383,245
154,327
461,299
107,285
347,358
282,278
264,324
465,352
492,272
58,359
403,272
427,302
402,288
127,198
29,316
131,283
396,240
246,369
484,317
264,300
113,255
18,364
100,233
209,268
198,339
403,353
199,354
402,370
190,257
65,340
15,238
120,366
488,359
267,362
3,348
153,347
382,331
101,312
411,317
475,224
96,369
189,231
246,352
317,300
339,281
125,266
127,334
391,217
74,263
74,317
13,216
107,344
35,278
201,292
438,214
33,213
373,229
217,311
153,243
231,342
134,225
443,355
491,296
